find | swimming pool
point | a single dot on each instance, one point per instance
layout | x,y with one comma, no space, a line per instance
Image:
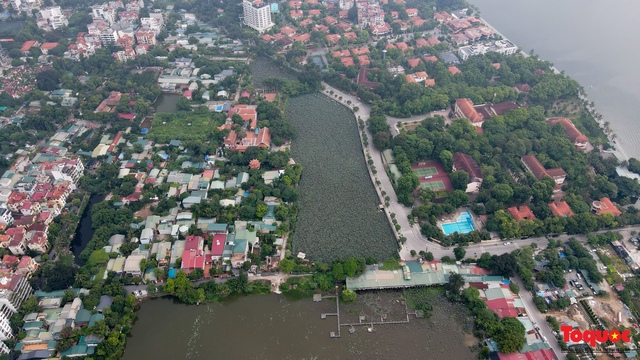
463,225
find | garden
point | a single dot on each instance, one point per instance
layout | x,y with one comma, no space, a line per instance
185,126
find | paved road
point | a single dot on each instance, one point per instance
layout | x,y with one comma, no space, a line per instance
538,319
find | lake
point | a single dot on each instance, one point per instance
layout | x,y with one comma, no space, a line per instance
339,214
592,41
166,103
271,327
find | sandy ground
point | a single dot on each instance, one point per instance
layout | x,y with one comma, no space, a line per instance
144,213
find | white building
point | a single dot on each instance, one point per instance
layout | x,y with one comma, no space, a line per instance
109,36
103,13
346,4
51,18
146,236
504,47
5,217
257,15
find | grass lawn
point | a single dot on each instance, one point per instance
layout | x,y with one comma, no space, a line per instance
590,127
184,126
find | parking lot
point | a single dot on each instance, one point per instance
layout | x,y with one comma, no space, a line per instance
576,283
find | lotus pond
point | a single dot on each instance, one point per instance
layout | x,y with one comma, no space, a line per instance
338,215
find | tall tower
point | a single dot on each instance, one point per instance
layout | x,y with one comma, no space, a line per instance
257,15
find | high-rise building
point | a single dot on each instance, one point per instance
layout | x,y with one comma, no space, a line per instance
257,15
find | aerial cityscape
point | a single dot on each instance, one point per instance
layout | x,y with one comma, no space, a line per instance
309,179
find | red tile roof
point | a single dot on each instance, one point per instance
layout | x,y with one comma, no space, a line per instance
502,307
414,62
466,163
466,107
521,212
538,171
574,134
28,45
560,208
454,70
605,206
217,244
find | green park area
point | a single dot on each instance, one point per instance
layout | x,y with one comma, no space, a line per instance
185,126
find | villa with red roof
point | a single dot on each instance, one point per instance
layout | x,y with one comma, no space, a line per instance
246,112
605,206
257,137
454,70
539,172
578,139
28,45
464,109
464,162
217,246
560,208
193,254
521,212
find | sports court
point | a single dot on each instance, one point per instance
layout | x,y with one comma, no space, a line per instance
432,176
426,171
437,185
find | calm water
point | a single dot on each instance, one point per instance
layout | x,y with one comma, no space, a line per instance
593,41
271,327
166,103
85,231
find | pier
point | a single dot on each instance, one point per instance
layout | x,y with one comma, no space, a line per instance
362,320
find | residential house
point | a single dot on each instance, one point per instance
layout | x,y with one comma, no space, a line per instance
539,172
522,212
464,162
560,208
578,139
605,206
464,109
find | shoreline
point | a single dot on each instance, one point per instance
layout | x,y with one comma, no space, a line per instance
618,150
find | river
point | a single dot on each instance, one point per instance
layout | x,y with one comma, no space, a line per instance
592,41
85,231
271,327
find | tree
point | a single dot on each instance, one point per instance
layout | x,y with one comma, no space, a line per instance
459,252
287,265
348,295
456,281
350,267
505,264
502,192
511,335
48,80
459,179
428,256
446,157
514,287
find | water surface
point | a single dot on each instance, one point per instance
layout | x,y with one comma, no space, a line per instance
270,327
593,41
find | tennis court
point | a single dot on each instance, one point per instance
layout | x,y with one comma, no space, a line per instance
426,171
433,185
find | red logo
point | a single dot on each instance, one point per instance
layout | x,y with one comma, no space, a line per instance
592,337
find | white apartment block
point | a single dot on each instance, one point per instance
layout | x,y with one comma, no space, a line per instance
51,18
154,23
103,13
5,324
5,217
26,5
346,4
257,15
109,36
